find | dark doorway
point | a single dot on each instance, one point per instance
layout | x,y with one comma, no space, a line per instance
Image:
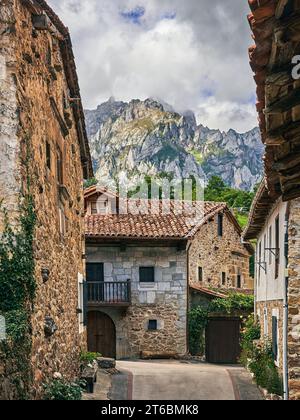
101,334
223,340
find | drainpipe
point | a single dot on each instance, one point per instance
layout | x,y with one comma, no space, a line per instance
188,296
286,308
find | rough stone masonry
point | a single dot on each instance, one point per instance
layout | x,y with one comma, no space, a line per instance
37,116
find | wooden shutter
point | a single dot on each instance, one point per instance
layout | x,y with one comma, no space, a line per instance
147,275
95,272
275,337
85,303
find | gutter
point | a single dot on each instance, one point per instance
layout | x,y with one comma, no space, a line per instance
286,308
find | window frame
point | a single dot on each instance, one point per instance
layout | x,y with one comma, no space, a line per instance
220,225
101,279
223,278
155,322
200,274
48,156
144,269
59,166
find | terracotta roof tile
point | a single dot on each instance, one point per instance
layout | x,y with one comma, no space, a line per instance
153,226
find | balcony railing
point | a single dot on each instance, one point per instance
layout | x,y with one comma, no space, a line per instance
110,293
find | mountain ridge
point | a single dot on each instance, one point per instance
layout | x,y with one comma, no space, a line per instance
149,138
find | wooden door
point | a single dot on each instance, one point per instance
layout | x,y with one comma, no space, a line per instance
101,334
223,340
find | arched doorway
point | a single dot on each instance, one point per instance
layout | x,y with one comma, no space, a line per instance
101,334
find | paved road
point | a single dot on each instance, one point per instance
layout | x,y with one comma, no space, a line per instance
175,380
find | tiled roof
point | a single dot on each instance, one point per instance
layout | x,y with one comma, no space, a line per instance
95,189
205,291
157,225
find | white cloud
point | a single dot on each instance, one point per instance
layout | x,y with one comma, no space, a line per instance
196,59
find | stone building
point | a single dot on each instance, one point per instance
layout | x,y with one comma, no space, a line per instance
147,262
274,58
43,140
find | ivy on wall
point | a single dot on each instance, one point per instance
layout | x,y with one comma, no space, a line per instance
198,317
17,290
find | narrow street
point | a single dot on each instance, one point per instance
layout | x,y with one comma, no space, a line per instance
175,380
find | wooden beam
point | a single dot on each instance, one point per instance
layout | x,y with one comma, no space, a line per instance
291,28
292,194
275,141
287,162
280,8
284,129
284,104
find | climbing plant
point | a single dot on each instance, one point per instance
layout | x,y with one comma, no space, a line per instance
17,292
198,317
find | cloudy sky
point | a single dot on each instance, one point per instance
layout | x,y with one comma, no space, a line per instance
189,53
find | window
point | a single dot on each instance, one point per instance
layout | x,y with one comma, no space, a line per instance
147,275
49,55
223,279
200,274
220,224
239,281
277,246
94,207
48,155
152,325
275,337
63,220
95,272
103,207
59,166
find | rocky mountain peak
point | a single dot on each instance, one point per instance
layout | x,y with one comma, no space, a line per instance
149,138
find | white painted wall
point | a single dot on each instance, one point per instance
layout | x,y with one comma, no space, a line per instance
268,287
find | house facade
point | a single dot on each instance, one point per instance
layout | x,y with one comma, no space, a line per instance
145,268
274,57
44,154
268,227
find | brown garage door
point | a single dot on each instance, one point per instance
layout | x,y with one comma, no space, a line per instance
223,340
101,334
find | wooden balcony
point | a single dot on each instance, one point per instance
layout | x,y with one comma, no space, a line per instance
110,293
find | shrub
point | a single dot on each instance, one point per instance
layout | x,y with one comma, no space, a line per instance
264,369
62,390
89,357
259,358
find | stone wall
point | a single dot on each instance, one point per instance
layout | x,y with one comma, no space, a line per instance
164,301
271,308
38,75
9,144
294,300
219,254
